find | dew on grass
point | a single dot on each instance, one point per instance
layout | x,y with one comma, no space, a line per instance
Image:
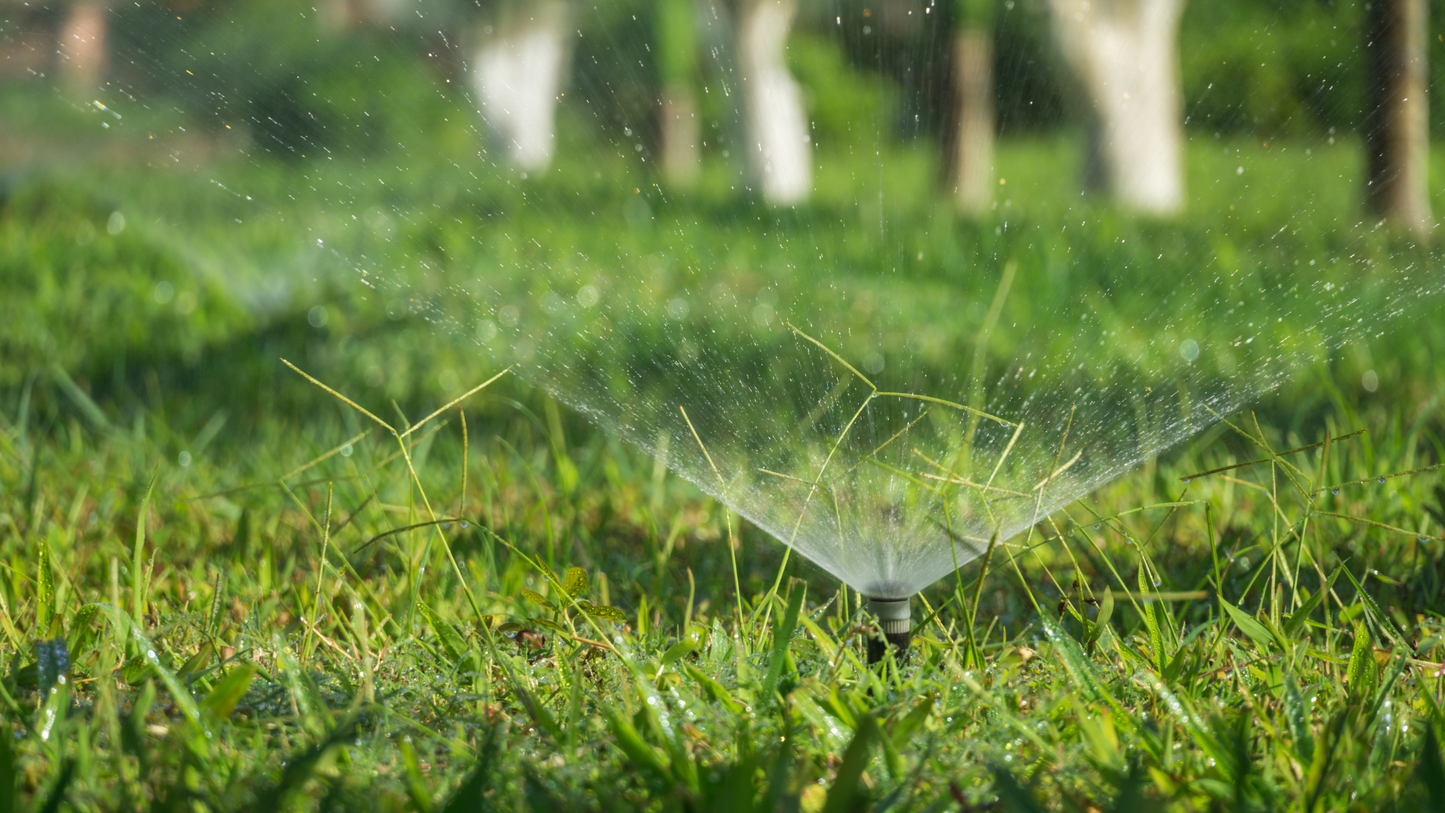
1335,491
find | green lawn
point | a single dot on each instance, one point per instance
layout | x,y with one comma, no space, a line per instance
259,610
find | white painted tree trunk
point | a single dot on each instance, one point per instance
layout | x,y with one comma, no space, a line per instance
1125,55
517,74
779,150
970,153
82,43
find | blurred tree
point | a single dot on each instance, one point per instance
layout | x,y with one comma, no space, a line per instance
778,144
517,72
1124,54
82,47
1397,113
678,128
968,145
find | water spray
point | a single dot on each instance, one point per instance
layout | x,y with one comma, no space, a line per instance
897,627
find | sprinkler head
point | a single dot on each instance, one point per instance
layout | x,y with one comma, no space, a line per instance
893,619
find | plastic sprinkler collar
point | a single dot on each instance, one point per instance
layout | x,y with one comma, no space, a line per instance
897,626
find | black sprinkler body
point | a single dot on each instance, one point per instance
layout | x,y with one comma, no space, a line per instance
896,625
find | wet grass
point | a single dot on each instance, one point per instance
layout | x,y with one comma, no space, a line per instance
225,588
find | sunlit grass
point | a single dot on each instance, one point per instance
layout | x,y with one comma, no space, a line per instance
352,616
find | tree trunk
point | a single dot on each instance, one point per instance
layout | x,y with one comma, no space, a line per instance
517,74
778,145
82,43
969,151
1397,117
1125,56
678,128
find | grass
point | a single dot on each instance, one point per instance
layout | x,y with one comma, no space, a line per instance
270,599
307,651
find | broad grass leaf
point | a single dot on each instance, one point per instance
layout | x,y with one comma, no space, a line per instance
196,662
782,637
715,691
1101,620
1075,661
229,690
138,582
1249,625
1151,620
575,582
45,605
820,635
1362,673
676,652
451,640
1380,617
1296,622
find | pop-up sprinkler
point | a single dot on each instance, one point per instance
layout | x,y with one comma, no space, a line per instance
897,627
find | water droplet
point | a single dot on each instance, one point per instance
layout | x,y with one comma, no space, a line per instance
1096,526
1005,424
1156,582
1186,480
466,525
1335,491
1382,481
1071,533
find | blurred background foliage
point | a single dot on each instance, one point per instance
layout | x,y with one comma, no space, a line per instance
1277,68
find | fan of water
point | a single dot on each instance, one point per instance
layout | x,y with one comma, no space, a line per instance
720,229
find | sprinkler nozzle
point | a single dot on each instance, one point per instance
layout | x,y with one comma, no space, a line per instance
897,627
